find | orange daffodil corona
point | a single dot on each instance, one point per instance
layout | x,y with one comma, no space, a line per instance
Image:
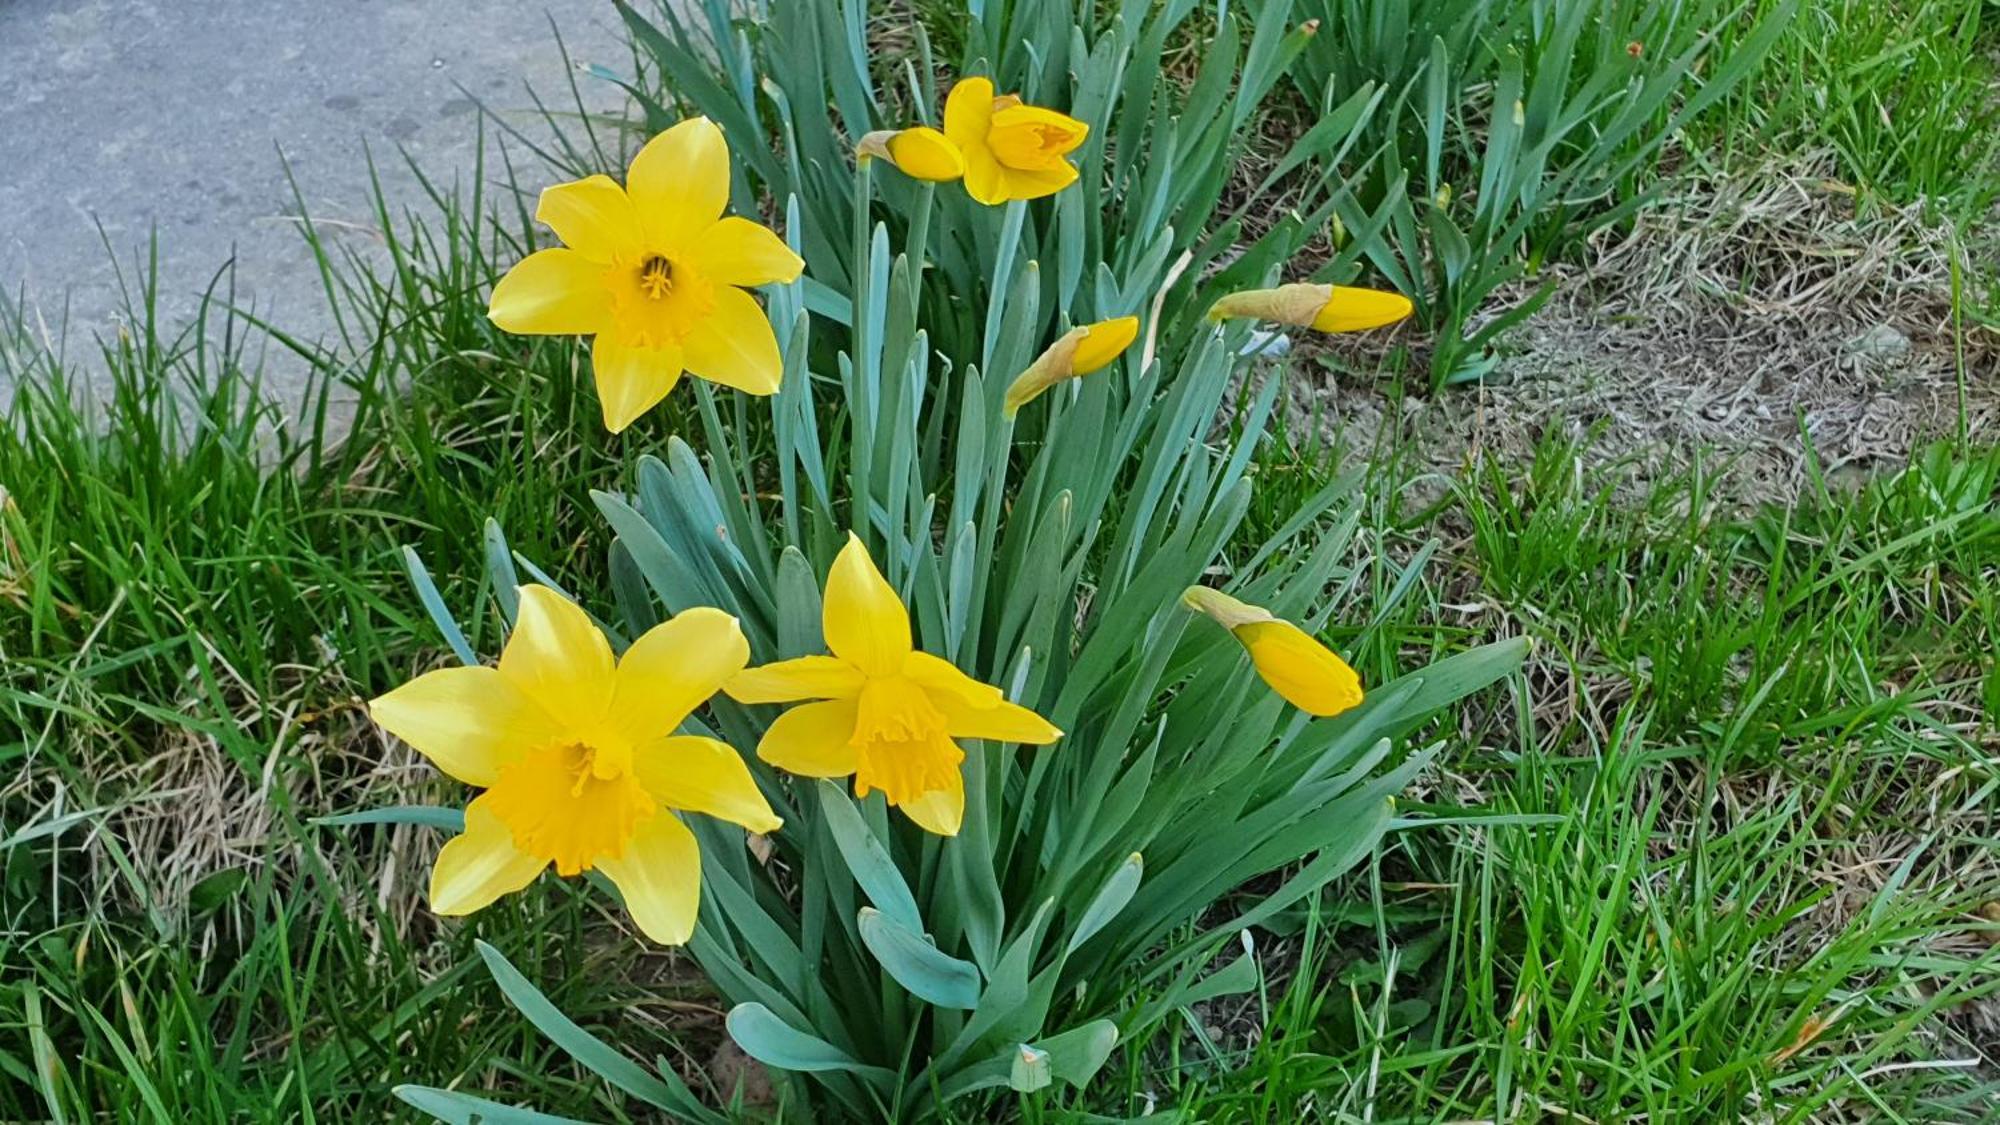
579,761
656,273
1305,672
885,713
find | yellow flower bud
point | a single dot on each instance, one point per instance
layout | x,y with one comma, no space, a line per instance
919,152
1306,673
1080,351
1325,308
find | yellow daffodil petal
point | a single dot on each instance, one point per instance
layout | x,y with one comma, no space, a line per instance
1349,309
468,721
737,251
786,681
479,865
659,877
680,182
940,811
924,153
552,292
1103,342
673,669
972,709
865,623
1002,722
734,345
812,740
985,180
592,216
703,775
1307,673
968,113
559,657
1024,183
940,677
631,378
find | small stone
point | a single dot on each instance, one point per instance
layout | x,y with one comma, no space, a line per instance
1881,343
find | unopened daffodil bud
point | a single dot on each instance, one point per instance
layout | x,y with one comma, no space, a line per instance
1306,673
919,152
1080,351
1324,308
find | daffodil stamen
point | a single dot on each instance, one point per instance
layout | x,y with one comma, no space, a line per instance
656,277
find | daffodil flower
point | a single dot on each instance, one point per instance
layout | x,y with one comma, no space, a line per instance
1323,308
1305,672
1080,351
579,761
888,714
1012,150
656,273
919,152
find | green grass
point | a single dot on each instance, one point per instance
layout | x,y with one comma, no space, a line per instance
197,588
1902,94
1764,745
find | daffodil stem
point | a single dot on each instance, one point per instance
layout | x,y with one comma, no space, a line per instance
864,192
996,487
920,233
1003,272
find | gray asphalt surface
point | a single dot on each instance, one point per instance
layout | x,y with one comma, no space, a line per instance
129,117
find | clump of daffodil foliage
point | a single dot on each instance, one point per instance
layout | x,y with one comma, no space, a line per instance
941,706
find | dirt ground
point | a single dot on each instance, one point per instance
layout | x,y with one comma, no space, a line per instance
1742,322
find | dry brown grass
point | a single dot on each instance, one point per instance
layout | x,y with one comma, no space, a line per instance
1752,319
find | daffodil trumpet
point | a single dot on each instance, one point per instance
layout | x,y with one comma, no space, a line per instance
577,756
882,712
1323,308
656,273
1306,673
1080,351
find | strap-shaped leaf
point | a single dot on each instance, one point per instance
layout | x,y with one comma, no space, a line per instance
1111,898
773,1042
798,606
928,972
430,816
464,1109
867,860
1233,979
427,593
